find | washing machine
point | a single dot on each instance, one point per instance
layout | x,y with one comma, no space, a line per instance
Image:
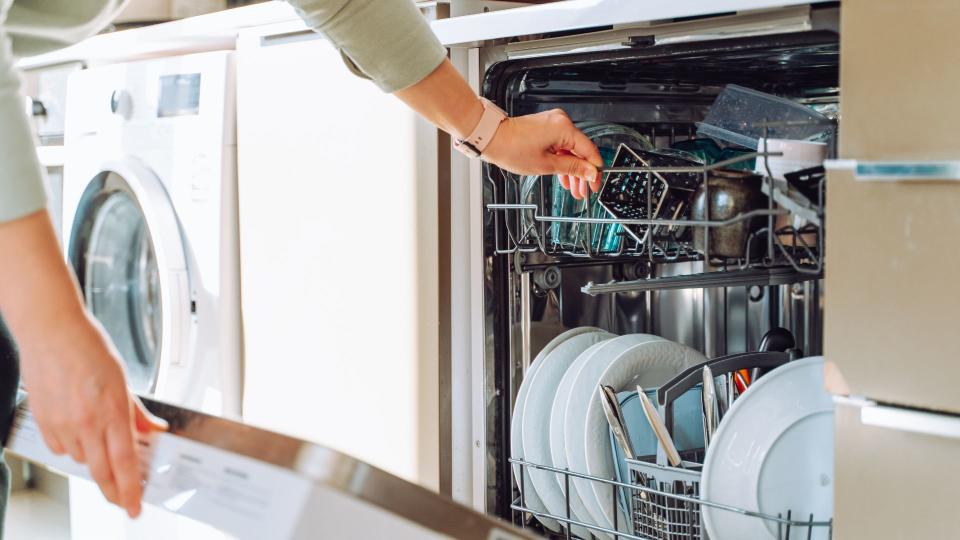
150,228
150,221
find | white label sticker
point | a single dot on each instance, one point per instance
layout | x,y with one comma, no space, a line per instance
235,494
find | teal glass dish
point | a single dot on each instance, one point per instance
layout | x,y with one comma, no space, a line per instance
600,238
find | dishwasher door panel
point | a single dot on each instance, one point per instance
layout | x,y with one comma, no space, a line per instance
891,483
900,82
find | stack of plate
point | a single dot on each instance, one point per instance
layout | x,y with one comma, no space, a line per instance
558,420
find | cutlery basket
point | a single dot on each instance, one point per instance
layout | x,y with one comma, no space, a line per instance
670,509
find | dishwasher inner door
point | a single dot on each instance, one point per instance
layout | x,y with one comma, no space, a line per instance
253,484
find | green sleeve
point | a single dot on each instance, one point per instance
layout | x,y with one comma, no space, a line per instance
21,178
387,40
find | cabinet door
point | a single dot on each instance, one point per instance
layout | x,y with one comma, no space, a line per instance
891,482
900,81
338,243
893,297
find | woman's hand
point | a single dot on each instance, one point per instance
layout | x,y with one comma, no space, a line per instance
547,143
542,143
78,394
80,400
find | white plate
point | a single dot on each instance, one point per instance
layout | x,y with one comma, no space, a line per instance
582,393
649,365
558,452
773,452
531,499
536,412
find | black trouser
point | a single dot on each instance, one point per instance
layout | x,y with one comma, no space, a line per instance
9,381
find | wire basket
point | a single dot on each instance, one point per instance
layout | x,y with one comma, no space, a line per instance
664,505
660,513
524,221
671,509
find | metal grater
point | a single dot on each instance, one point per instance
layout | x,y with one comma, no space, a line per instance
648,195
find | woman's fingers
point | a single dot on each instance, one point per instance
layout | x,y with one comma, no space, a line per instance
579,172
124,462
144,421
96,451
74,447
581,145
51,440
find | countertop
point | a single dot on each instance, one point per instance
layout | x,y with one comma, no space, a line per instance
219,30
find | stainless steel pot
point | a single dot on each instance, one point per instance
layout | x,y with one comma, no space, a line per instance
731,193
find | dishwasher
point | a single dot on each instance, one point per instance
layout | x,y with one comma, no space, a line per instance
543,270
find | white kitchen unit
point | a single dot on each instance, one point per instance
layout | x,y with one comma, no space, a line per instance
338,202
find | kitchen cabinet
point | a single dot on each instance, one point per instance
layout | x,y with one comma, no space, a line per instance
899,80
890,277
892,292
338,209
892,482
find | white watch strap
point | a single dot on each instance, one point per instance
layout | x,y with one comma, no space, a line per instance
474,144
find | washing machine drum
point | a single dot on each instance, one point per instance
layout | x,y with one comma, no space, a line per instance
114,257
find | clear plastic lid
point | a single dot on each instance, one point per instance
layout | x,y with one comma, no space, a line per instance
742,116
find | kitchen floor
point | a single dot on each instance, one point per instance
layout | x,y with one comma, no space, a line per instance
36,515
39,507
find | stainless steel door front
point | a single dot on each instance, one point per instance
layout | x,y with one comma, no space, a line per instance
127,251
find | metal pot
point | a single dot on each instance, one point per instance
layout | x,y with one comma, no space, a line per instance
731,193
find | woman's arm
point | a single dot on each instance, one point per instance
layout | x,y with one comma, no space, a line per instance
390,42
77,389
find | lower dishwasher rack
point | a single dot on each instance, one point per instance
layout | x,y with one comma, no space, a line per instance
657,513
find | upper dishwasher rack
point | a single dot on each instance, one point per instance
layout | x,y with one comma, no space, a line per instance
776,252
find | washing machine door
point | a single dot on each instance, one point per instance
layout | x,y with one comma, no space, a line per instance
128,253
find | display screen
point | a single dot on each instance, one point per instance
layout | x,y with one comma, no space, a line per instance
179,95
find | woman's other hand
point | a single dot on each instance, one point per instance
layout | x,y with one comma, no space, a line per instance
80,400
78,394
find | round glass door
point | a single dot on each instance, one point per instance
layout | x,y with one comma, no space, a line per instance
115,258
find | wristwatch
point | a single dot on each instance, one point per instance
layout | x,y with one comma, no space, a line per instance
474,144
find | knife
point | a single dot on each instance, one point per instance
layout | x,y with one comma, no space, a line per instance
614,414
660,430
709,395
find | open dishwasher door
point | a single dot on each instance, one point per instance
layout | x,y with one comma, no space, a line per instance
252,483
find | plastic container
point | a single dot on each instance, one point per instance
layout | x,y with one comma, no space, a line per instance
742,116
